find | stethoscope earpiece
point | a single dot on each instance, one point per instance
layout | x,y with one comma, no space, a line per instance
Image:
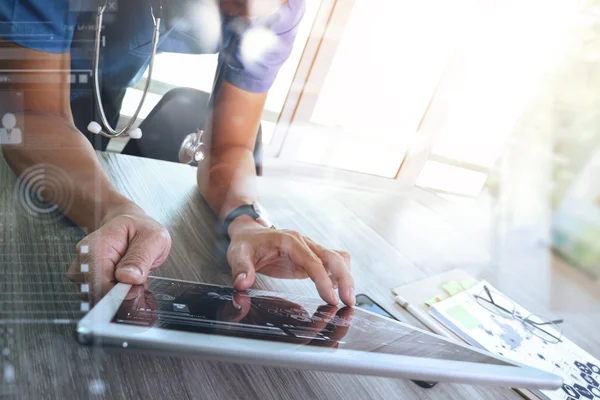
96,129
135,134
106,129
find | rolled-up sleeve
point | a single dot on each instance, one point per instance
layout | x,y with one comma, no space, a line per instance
262,47
45,25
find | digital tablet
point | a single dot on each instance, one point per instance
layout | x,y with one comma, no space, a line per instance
256,327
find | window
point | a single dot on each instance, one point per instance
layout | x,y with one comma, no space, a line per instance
362,107
427,93
415,93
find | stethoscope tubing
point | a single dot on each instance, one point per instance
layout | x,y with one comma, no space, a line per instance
192,149
108,130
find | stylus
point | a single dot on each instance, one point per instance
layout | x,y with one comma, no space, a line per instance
423,318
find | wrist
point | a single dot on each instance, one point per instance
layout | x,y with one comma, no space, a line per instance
119,205
243,223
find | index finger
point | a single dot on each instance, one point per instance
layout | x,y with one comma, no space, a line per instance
302,255
91,269
89,266
338,265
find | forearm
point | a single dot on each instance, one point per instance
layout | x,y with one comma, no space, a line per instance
229,181
85,195
227,178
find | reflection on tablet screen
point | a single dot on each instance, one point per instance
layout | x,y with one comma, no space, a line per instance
261,315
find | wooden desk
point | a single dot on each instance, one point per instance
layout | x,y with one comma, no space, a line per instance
393,240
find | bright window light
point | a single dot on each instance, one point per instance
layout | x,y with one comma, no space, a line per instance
132,100
454,180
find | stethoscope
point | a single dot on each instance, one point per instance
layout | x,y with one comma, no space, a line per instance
192,149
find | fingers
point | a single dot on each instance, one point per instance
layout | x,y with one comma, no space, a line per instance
126,249
338,264
147,250
93,263
94,275
288,255
346,256
301,254
75,274
282,269
239,257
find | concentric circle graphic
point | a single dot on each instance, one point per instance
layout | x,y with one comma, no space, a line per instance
40,179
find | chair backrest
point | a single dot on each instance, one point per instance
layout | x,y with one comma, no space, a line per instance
180,112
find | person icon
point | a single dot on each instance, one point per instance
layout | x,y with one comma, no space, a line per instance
8,373
9,133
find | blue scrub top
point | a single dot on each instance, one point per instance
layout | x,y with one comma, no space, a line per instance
189,26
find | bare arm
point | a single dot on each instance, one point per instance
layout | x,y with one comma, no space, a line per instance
227,179
50,137
123,244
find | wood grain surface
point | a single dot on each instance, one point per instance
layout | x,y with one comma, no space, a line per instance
393,240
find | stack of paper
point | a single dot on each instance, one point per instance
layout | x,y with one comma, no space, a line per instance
511,338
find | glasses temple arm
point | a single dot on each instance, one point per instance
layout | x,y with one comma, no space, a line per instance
555,322
494,304
488,293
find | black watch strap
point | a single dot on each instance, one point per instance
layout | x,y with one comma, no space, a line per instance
246,209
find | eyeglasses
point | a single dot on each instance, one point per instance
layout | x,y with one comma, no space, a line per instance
547,330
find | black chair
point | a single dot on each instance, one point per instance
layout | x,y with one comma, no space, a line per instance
180,112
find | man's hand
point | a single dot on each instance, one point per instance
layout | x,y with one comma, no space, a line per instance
126,248
227,179
287,255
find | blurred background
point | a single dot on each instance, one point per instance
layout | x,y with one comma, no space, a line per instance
488,110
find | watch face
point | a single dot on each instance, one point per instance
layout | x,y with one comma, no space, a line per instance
263,218
258,208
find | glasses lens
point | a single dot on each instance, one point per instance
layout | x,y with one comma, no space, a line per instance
544,328
496,303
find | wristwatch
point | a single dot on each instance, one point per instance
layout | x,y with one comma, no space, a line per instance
254,210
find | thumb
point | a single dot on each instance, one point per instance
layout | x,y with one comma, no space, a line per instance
144,253
242,266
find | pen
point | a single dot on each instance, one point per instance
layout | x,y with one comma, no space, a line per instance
423,318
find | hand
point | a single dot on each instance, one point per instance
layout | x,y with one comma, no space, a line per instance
287,255
126,248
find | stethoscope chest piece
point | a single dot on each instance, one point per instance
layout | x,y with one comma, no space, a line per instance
192,149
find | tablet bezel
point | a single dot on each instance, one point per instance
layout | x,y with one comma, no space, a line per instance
96,328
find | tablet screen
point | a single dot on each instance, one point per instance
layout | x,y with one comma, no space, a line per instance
254,314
